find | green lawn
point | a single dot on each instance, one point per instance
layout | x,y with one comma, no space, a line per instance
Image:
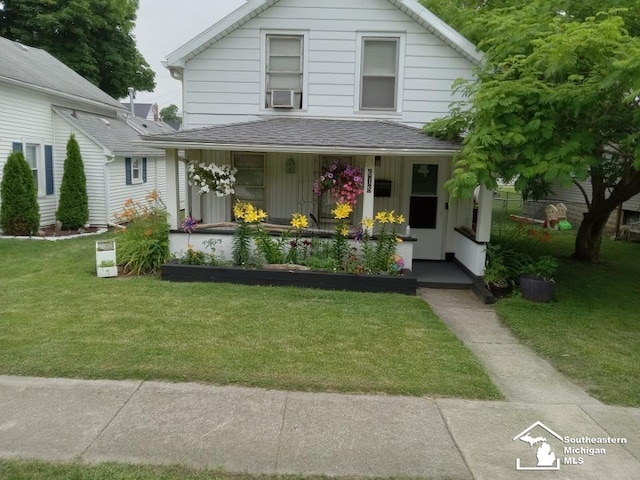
22,470
60,320
592,332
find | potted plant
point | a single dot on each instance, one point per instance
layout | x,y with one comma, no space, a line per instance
498,275
536,281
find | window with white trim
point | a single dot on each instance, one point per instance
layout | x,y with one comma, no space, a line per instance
32,156
249,186
136,170
379,73
284,71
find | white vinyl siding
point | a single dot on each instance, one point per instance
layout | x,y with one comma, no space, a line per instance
93,158
226,83
26,119
379,74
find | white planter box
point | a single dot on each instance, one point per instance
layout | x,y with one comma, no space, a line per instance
106,255
107,272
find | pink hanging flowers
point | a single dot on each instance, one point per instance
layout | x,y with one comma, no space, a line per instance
343,182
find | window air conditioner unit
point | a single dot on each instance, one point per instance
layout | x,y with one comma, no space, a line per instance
282,98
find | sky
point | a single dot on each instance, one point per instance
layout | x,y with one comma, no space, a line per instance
162,27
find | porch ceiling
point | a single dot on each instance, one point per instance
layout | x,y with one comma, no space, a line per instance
312,135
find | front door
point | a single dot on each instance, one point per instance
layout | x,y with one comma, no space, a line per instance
427,209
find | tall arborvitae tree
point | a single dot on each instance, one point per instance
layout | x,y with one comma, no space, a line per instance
73,209
19,210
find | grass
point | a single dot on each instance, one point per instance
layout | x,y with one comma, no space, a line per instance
60,320
592,332
30,470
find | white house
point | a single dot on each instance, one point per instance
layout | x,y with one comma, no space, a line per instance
43,102
280,88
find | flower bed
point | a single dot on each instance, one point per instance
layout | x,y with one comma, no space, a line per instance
404,284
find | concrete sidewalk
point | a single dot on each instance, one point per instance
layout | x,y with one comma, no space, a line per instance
262,431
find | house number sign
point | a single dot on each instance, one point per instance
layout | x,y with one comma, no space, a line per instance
369,179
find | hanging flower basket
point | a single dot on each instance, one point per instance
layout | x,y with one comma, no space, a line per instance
211,178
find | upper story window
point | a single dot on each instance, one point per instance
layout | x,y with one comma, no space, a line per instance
284,75
379,73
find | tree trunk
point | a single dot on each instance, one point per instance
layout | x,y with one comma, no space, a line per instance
589,237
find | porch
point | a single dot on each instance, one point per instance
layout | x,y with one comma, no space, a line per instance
403,170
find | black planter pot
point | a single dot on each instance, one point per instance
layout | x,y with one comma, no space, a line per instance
500,291
536,289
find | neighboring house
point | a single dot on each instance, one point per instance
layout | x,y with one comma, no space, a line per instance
281,88
116,168
148,111
576,205
43,103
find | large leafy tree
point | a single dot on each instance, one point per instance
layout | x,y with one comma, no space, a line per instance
558,100
93,37
170,114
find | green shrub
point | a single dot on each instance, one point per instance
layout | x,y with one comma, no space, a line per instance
19,210
73,209
143,246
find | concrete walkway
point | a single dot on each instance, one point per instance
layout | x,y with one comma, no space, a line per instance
262,431
516,370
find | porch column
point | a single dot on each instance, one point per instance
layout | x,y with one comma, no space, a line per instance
485,209
369,182
195,204
173,188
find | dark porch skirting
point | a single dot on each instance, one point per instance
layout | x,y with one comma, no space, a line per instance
405,284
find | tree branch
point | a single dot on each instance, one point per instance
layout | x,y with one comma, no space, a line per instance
584,193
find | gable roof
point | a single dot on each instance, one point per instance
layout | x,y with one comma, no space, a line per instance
177,59
115,134
288,134
36,69
139,109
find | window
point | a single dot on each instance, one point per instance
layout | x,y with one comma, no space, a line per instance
41,165
284,71
249,185
379,73
135,170
31,155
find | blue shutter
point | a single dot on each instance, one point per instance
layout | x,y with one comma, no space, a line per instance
48,168
127,167
144,170
17,146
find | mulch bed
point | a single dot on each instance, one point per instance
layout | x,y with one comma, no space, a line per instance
50,231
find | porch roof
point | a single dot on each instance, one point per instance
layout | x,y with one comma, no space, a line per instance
312,135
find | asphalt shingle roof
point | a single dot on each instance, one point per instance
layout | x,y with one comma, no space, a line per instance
35,67
312,132
115,133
